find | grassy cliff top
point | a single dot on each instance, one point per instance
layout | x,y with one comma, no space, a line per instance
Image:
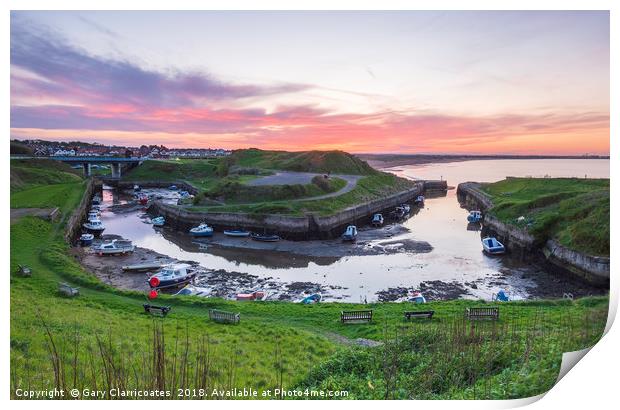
337,162
31,173
573,211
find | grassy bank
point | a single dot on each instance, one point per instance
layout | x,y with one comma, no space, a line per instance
573,211
102,339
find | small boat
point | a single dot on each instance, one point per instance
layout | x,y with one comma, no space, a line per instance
96,200
419,200
137,188
173,275
190,290
184,194
474,216
417,297
173,187
93,215
114,247
256,295
492,246
159,221
143,199
237,233
87,239
94,226
201,230
350,234
264,237
406,208
314,298
142,267
377,220
501,296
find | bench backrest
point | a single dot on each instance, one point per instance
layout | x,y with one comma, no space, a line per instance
482,312
221,315
419,313
356,315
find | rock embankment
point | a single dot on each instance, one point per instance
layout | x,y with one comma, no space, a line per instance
593,269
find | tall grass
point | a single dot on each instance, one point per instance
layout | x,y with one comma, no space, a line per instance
459,359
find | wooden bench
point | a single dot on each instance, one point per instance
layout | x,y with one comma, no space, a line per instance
156,310
65,290
356,316
426,314
221,316
477,313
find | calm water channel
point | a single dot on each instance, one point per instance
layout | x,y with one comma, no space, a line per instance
456,257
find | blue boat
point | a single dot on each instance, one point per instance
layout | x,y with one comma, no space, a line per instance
501,296
159,221
474,216
201,230
314,298
492,246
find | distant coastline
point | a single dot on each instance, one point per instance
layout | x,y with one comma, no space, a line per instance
394,160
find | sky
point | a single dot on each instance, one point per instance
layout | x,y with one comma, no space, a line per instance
508,82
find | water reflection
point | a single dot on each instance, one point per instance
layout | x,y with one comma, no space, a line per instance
456,256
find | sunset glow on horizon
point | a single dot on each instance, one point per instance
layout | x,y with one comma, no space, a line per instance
363,82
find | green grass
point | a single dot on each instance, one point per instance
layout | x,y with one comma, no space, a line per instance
102,339
201,173
368,188
31,173
573,211
337,162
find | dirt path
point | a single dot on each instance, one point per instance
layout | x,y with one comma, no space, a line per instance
18,213
292,178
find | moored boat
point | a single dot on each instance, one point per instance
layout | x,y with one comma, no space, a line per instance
142,267
474,216
398,213
94,226
96,200
236,233
492,246
201,230
173,275
264,237
191,290
159,221
256,295
173,187
314,298
406,208
137,188
86,239
419,200
377,220
417,297
114,247
142,199
350,234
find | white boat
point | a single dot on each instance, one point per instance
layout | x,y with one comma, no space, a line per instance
159,221
86,239
237,233
114,247
173,275
406,208
377,220
492,246
93,215
94,226
420,200
191,290
350,234
201,230
474,216
417,297
137,188
96,200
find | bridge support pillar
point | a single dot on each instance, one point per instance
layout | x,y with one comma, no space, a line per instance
116,170
86,167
